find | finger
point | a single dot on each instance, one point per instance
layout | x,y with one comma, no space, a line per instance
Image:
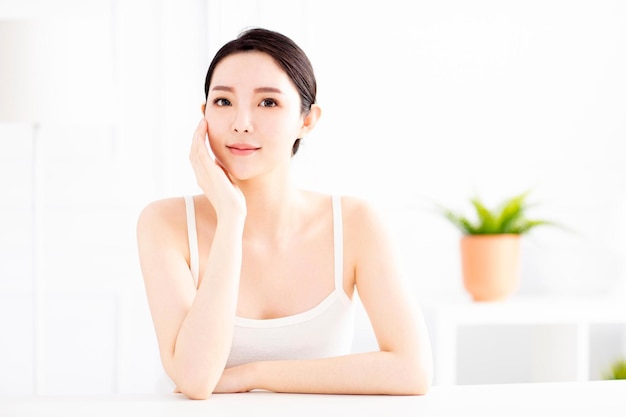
200,134
198,140
223,168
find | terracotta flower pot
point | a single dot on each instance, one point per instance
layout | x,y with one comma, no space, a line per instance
491,265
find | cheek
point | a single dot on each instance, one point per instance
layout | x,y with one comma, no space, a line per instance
285,126
215,135
215,126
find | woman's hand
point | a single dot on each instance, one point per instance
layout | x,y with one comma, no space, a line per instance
226,198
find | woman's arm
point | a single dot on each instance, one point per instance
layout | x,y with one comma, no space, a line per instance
194,328
402,366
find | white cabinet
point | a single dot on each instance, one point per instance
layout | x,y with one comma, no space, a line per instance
525,339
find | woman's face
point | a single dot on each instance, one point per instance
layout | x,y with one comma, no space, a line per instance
253,115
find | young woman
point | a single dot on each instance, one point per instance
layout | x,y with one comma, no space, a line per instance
250,283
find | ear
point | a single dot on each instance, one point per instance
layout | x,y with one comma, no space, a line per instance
310,120
203,107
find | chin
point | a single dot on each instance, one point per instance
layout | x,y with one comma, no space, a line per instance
238,174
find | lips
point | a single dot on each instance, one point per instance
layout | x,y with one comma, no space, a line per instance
242,148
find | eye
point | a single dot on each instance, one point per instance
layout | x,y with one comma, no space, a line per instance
268,102
220,102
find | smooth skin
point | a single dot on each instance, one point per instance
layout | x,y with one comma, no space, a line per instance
258,238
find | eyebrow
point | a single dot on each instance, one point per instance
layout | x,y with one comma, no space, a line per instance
268,90
256,90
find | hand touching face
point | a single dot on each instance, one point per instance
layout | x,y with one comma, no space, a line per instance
214,181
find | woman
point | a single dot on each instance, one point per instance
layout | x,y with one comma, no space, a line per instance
250,283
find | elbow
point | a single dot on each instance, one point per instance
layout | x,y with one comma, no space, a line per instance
424,379
194,382
422,372
196,391
421,386
197,394
417,380
195,387
415,385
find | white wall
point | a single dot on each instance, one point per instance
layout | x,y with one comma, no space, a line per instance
432,101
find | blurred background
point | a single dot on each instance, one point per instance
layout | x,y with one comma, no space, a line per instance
423,103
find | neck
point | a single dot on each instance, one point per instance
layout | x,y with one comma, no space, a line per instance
271,207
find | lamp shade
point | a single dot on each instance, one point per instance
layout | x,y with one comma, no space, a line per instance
56,71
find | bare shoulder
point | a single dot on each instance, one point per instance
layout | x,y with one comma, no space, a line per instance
162,214
361,217
162,226
366,232
162,237
354,208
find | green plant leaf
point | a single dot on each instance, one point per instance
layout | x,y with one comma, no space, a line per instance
511,213
462,223
507,218
486,220
527,225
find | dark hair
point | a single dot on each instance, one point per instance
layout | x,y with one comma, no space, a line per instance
289,56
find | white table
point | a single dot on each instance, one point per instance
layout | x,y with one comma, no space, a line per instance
599,398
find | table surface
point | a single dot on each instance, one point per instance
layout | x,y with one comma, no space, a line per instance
597,398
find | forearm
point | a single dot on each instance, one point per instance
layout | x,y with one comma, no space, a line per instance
361,373
204,339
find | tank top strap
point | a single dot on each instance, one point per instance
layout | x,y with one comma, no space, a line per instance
192,236
338,241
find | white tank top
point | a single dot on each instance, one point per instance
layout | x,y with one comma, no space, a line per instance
325,330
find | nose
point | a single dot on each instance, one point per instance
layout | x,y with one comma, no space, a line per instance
242,122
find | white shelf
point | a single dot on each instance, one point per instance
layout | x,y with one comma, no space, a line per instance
564,322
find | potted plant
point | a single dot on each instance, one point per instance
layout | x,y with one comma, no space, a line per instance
490,246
